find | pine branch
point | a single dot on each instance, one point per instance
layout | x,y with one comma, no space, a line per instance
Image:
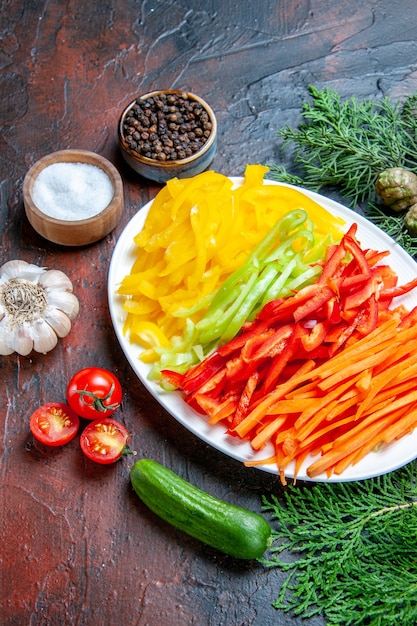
347,144
350,550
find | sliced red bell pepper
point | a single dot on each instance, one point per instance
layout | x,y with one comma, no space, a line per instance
283,309
197,375
399,290
268,344
213,385
173,378
410,319
368,316
360,296
321,353
333,265
237,369
338,337
374,256
352,246
315,337
244,400
249,330
353,282
215,409
318,299
278,364
385,276
332,310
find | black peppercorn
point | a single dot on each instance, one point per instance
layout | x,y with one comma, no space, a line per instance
166,127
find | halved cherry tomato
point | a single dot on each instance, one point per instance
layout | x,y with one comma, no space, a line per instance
105,440
94,392
54,424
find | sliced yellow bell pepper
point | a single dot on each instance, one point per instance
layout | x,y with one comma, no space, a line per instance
197,233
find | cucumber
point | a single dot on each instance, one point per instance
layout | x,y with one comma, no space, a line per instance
231,529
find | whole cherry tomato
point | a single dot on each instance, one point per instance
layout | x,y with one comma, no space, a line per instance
54,424
104,440
94,392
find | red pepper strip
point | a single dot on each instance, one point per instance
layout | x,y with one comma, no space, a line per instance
359,297
353,282
283,309
244,400
213,385
173,378
338,337
321,353
332,310
278,364
368,317
252,344
216,410
270,309
198,374
330,250
363,322
359,256
333,265
410,319
400,290
348,316
373,257
334,332
319,296
315,337
386,276
235,344
237,369
267,345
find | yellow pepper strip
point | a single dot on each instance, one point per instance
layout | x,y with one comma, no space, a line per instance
148,335
198,231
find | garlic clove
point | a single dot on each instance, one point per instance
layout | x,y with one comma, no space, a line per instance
22,341
21,269
14,267
59,321
6,346
44,337
55,279
65,301
11,269
5,350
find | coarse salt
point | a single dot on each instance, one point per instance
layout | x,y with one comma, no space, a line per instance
72,191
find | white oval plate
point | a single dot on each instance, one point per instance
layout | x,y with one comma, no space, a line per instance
374,464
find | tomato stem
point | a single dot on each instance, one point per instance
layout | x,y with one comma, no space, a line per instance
98,403
127,451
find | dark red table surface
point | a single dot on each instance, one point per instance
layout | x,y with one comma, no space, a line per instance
76,545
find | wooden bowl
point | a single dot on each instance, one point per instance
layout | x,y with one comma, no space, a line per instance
162,171
74,232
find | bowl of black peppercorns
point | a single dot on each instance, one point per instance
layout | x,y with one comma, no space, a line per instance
168,134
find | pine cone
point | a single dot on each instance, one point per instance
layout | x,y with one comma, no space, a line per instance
397,188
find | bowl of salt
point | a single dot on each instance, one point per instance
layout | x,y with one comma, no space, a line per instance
73,197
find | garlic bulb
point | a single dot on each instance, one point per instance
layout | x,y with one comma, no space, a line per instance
36,308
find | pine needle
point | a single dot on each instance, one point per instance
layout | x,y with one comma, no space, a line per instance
350,550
